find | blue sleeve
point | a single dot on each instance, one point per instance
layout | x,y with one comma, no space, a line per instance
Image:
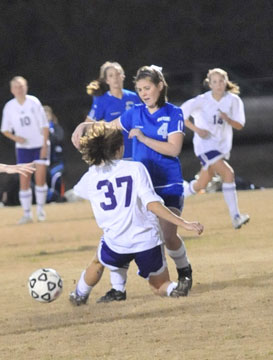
126,119
177,121
97,110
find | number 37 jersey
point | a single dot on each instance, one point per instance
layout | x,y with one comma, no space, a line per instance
26,120
119,194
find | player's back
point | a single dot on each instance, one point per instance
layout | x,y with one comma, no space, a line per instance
119,193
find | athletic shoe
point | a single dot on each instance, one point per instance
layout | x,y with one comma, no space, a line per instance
76,299
26,219
240,220
112,295
184,280
41,216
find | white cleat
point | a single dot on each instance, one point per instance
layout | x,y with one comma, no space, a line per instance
41,215
240,220
26,219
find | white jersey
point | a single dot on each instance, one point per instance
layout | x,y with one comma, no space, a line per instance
119,194
205,111
26,120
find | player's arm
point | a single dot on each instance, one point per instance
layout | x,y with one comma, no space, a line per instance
23,169
201,132
14,137
172,147
163,212
235,124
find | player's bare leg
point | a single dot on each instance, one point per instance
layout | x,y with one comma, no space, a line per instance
25,197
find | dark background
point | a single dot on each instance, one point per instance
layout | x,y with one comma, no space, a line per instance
58,46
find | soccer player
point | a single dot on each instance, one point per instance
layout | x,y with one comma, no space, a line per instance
110,99
216,113
156,128
124,204
24,122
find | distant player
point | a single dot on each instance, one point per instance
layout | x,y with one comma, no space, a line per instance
24,122
124,203
110,99
216,113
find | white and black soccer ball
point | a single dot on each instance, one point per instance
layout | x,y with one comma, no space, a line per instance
45,285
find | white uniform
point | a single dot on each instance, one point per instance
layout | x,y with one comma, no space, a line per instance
26,120
119,194
205,111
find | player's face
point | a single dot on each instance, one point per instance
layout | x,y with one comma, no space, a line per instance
114,78
149,92
18,89
217,84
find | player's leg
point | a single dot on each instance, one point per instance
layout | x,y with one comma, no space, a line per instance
25,198
89,278
152,266
201,183
41,189
226,172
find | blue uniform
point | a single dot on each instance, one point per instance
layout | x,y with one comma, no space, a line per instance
108,107
165,171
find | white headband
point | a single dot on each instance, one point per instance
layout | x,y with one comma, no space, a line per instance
157,68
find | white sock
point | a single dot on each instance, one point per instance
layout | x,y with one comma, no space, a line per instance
118,279
191,190
82,288
25,197
230,196
179,256
170,288
41,194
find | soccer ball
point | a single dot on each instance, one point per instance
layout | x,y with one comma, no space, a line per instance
45,285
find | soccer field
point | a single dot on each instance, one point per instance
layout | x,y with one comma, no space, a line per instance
228,314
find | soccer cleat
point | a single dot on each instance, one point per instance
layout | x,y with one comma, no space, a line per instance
25,219
112,295
240,220
184,281
76,299
41,216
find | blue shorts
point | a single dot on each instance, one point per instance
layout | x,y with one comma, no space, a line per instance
171,200
210,158
25,156
149,262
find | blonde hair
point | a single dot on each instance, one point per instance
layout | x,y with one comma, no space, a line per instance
19,79
99,87
48,109
231,86
100,143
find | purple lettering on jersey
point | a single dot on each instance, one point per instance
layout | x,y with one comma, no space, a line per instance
108,194
129,181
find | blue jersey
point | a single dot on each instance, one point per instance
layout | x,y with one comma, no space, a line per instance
165,171
108,107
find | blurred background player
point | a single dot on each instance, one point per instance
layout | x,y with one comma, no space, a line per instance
124,203
216,113
24,122
55,171
110,99
156,128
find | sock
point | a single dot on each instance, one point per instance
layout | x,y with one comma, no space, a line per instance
179,256
41,194
118,279
25,197
170,288
82,288
230,196
191,188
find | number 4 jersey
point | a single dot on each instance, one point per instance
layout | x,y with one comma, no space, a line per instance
26,120
119,194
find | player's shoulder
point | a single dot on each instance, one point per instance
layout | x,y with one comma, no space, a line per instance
233,96
33,99
129,93
10,104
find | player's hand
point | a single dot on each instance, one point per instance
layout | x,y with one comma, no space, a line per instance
137,133
224,116
23,169
78,132
194,226
20,139
202,133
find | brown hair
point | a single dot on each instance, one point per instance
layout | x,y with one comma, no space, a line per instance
100,143
231,86
156,77
99,87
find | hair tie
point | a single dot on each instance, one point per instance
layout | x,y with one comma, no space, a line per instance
157,68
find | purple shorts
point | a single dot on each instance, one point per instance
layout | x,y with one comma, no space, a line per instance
149,262
24,156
